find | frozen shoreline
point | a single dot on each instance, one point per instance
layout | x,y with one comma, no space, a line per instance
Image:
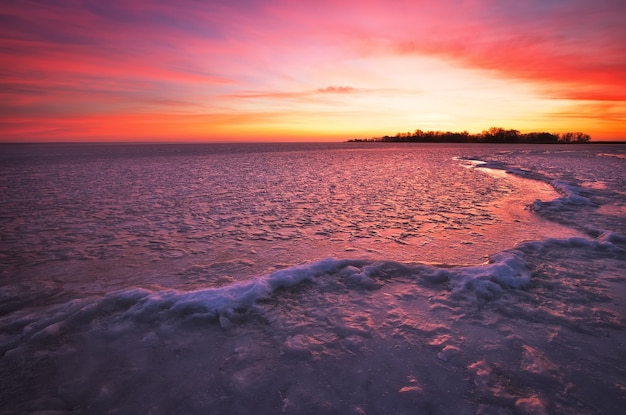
539,330
514,336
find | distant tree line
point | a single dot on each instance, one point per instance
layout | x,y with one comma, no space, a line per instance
492,135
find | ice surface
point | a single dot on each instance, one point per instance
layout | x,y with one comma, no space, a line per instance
166,305
318,337
116,214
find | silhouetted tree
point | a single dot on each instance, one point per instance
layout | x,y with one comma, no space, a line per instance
492,135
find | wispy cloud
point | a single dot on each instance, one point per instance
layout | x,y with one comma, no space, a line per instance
295,94
64,61
337,90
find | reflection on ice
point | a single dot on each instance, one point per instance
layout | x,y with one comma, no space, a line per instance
345,335
183,296
239,215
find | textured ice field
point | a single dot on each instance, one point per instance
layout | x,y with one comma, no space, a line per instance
313,279
184,215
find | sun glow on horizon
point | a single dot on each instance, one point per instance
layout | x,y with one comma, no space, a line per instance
147,71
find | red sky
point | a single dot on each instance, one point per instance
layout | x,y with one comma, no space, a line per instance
85,70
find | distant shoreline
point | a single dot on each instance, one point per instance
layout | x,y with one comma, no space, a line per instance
492,135
194,143
369,140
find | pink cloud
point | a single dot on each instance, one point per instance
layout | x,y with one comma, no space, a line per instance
69,58
577,48
337,90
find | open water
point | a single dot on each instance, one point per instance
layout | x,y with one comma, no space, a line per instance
352,278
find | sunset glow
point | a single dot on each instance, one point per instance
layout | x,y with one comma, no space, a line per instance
141,70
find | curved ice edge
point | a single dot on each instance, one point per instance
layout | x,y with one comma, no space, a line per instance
574,197
506,270
572,194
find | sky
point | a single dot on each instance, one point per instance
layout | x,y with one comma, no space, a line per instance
289,70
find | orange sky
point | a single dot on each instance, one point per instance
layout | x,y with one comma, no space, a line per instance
155,70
